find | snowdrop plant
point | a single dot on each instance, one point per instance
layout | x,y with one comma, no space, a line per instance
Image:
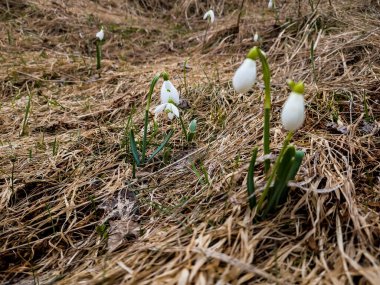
288,161
166,105
270,4
243,80
99,39
210,17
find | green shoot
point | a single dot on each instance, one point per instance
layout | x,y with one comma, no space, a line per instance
192,130
26,117
98,54
250,180
102,231
267,107
55,147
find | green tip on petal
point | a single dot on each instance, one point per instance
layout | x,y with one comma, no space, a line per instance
165,76
253,53
299,87
291,84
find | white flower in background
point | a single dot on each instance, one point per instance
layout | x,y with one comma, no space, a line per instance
270,4
245,76
100,34
293,111
169,100
210,16
256,37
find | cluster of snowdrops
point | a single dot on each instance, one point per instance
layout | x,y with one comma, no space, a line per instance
278,173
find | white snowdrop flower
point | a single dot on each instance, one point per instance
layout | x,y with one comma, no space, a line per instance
245,76
100,34
270,4
169,99
293,111
256,37
210,16
169,93
168,108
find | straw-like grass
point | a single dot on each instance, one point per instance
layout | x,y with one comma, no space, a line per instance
70,212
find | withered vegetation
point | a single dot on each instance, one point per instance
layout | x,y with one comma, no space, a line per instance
70,211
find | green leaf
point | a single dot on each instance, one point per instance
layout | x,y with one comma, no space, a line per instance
134,150
297,164
146,118
250,181
281,180
292,173
161,146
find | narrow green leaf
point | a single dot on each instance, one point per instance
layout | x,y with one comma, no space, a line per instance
146,118
250,181
282,179
134,150
292,173
297,164
161,146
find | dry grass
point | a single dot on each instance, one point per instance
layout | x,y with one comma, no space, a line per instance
69,174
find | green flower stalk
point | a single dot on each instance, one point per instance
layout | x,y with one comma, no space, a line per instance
165,76
243,80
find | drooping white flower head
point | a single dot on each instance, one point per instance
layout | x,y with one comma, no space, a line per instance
293,111
169,99
270,4
169,109
210,16
100,34
245,75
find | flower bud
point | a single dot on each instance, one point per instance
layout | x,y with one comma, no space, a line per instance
293,111
193,126
245,76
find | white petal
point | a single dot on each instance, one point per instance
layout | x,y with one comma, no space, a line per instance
293,112
164,95
245,76
172,109
159,109
100,34
256,37
270,4
170,116
209,14
173,93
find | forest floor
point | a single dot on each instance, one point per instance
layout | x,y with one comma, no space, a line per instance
71,211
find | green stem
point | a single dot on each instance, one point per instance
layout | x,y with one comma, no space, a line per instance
146,120
98,54
274,170
183,128
267,108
